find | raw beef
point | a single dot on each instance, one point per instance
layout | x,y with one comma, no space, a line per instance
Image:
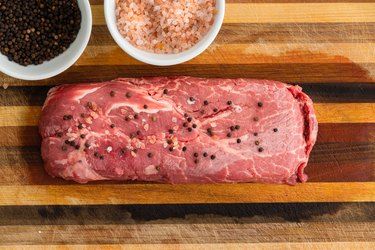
178,130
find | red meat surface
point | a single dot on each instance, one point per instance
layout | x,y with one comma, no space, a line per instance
178,130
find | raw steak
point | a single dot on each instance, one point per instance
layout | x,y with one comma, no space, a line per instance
178,130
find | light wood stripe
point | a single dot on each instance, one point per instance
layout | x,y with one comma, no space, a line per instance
204,246
256,53
284,13
185,194
326,113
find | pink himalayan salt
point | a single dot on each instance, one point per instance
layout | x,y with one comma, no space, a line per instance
164,26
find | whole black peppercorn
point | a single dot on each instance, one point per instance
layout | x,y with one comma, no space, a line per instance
229,135
150,155
237,127
194,125
72,143
202,111
112,125
77,147
186,115
229,102
213,157
189,119
255,134
260,104
128,94
37,32
170,131
87,145
184,148
196,161
171,149
165,91
101,157
67,142
145,106
64,148
232,128
190,129
185,124
205,102
169,141
127,118
139,132
205,154
260,149
80,126
82,136
196,154
191,99
215,110
136,116
275,130
238,140
256,143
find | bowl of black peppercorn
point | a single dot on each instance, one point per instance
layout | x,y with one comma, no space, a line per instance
41,39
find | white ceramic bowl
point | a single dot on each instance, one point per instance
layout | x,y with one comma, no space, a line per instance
61,62
163,59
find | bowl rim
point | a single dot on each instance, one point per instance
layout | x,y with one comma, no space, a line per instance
144,56
65,66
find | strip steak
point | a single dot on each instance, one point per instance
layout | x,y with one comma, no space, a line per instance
178,130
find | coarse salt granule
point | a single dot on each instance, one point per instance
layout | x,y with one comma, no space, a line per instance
164,26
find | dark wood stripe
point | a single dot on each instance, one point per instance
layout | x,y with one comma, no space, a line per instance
328,132
346,132
329,162
248,33
288,72
19,136
319,92
129,214
147,224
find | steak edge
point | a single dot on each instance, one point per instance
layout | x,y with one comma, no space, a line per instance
178,130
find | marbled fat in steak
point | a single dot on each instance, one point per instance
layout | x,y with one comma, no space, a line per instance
178,130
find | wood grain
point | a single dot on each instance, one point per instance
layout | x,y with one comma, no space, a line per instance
346,72
284,13
197,246
192,233
172,194
249,53
255,33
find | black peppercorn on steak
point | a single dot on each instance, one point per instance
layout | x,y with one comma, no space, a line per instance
178,130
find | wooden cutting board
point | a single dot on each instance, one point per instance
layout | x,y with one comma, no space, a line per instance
327,47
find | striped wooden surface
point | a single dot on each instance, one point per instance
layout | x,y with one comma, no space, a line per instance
327,47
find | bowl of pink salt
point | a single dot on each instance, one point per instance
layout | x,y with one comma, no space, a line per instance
164,32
